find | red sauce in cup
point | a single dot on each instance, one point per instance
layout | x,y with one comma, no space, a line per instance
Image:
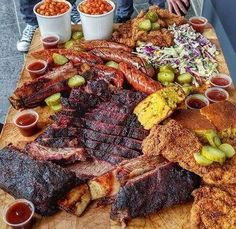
18,213
196,103
37,68
216,95
26,121
219,81
50,42
198,23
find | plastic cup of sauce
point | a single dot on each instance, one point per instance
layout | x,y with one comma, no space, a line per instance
198,23
196,101
19,214
216,94
50,41
37,68
26,121
220,80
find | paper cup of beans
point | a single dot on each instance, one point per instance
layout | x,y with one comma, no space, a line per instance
97,18
54,18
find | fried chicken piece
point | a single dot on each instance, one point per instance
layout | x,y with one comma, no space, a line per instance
214,208
178,145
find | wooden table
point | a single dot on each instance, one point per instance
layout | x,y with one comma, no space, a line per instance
96,217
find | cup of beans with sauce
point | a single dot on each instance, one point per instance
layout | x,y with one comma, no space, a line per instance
53,17
220,80
196,101
26,121
37,68
198,23
19,214
97,18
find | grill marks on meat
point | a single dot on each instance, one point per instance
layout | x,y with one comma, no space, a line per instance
162,187
100,123
43,183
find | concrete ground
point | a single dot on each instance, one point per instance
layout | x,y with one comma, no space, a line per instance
11,61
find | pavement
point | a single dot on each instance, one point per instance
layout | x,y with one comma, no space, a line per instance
11,61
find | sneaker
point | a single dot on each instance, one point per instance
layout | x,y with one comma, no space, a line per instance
24,43
75,17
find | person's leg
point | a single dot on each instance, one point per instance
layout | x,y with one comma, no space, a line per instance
160,3
26,8
124,11
75,17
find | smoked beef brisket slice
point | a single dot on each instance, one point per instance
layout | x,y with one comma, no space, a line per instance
163,187
41,182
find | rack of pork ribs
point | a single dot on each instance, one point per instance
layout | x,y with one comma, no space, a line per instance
96,140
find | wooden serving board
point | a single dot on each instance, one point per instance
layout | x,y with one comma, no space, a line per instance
96,217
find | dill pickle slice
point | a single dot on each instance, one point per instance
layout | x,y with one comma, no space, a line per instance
166,68
76,81
166,77
152,16
156,26
69,44
185,78
77,35
201,160
227,149
57,108
145,25
214,154
212,138
53,100
112,64
59,59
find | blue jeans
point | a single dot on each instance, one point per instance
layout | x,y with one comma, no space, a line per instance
26,8
125,8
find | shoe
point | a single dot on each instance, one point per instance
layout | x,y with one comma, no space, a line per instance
121,19
75,17
24,43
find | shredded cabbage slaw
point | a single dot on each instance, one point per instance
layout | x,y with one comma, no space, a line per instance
192,52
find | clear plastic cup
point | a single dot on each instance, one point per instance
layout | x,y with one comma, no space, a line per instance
27,224
216,94
30,129
198,23
36,71
196,101
97,27
50,41
220,80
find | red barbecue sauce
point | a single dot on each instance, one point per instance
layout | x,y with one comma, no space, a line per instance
18,213
196,103
216,95
36,66
50,42
24,121
220,81
198,24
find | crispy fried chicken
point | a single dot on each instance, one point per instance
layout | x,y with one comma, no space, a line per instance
214,208
129,33
178,145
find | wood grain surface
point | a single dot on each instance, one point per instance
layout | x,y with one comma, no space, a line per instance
96,217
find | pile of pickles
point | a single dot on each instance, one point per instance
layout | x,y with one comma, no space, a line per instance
149,22
167,77
215,152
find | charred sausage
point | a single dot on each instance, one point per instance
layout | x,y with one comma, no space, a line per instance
89,45
138,80
122,56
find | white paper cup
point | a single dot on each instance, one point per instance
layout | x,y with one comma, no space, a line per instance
58,24
97,27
